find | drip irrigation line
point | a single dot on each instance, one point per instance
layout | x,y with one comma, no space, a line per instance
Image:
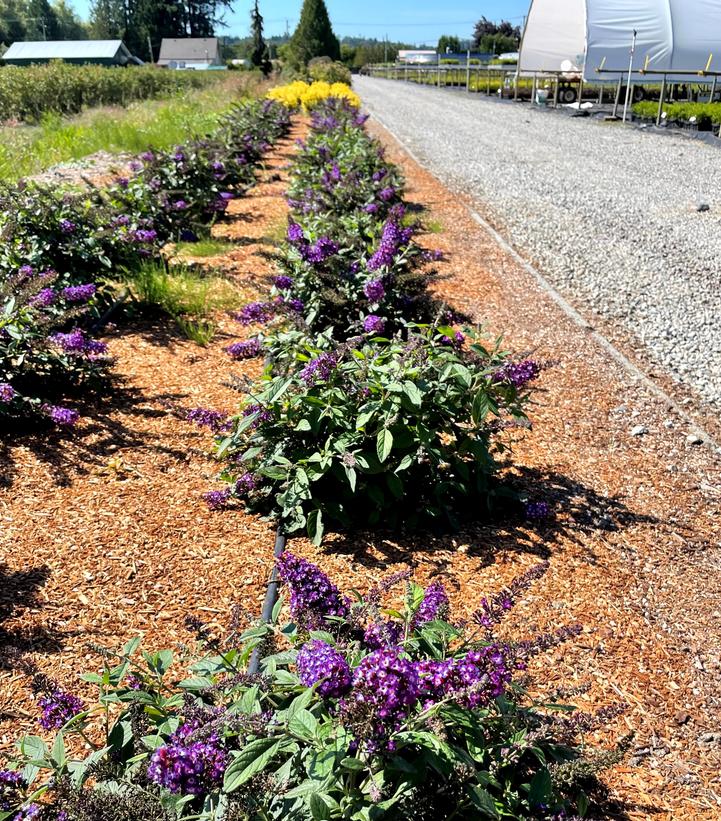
100,323
271,594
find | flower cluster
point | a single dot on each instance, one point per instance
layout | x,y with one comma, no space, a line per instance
313,597
248,349
206,418
320,664
518,373
433,606
58,707
187,767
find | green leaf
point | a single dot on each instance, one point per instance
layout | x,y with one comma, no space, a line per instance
541,788
303,425
384,444
315,526
303,723
413,393
480,408
319,809
482,800
353,764
252,759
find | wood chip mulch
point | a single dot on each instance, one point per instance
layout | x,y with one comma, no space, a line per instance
105,534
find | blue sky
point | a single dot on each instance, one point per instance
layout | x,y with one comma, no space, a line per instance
413,21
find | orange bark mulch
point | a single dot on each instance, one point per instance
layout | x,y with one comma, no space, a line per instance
105,534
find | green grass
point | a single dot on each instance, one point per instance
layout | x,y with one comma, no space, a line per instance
27,150
191,298
203,248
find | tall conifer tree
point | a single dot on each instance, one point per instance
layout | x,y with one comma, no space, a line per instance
314,36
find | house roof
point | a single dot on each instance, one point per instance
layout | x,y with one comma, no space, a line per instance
68,50
189,48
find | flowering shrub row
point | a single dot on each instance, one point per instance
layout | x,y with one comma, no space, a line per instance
358,712
55,248
376,410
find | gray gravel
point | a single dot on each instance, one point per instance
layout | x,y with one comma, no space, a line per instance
609,214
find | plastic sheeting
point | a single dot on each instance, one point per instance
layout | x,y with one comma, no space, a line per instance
672,35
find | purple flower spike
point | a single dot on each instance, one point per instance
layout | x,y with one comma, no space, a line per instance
248,349
217,499
58,707
434,605
79,293
518,373
67,226
319,663
313,597
374,290
374,324
7,392
186,767
64,417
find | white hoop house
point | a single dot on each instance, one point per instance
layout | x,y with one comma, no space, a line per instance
679,37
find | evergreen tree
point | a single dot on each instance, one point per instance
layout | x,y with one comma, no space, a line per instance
12,22
108,19
70,26
314,36
259,51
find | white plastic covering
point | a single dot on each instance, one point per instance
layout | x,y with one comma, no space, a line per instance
672,35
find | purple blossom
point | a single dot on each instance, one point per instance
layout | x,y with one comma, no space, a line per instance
382,634
387,194
371,208
123,182
374,324
435,605
147,156
227,196
26,271
144,235
255,312
246,484
217,421
472,681
374,290
186,767
58,707
247,349
319,369
313,597
518,373
319,251
319,663
261,414
284,283
180,205
78,344
7,392
295,232
494,609
217,499
28,813
393,238
44,298
385,689
67,226
12,785
133,683
79,293
296,305
65,417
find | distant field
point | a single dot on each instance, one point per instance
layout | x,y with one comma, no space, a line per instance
30,149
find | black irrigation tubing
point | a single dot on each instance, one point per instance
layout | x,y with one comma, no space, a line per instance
271,594
102,321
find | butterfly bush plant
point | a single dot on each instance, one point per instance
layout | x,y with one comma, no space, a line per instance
40,364
376,430
58,250
359,710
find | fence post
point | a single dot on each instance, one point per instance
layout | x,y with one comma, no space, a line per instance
661,101
468,72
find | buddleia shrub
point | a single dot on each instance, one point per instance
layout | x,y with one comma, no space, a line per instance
45,354
360,709
376,432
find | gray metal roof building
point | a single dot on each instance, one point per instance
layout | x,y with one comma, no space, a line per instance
100,52
190,52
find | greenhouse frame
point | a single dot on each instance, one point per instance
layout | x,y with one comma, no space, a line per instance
680,39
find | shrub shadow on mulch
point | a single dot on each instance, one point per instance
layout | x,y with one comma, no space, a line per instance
19,592
576,510
69,454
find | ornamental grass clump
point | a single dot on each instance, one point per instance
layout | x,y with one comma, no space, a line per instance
376,431
430,722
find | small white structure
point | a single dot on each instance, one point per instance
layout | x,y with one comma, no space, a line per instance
583,35
190,52
422,57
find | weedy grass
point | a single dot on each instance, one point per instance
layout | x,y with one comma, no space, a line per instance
190,297
203,248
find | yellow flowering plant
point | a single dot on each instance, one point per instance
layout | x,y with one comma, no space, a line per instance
309,96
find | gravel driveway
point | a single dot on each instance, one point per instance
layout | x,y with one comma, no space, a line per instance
609,214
